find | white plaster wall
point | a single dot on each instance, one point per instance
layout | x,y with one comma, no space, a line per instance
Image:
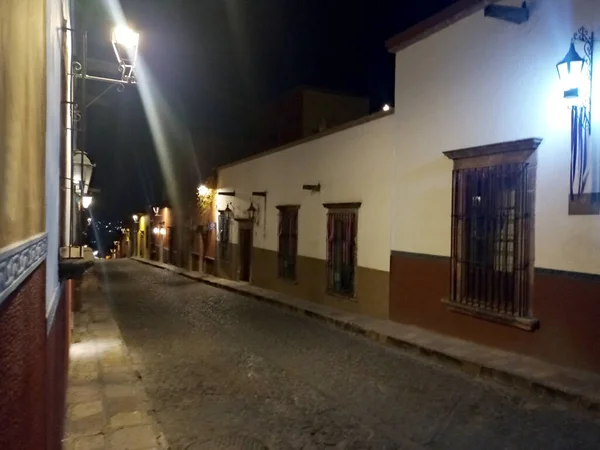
53,135
352,165
483,81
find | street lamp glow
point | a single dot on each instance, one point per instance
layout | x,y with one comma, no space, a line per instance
86,201
203,191
386,107
125,36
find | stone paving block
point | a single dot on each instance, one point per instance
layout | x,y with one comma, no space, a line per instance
127,419
85,409
118,375
117,391
89,443
88,426
124,404
84,393
139,437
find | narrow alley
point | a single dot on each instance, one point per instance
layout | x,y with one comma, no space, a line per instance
223,371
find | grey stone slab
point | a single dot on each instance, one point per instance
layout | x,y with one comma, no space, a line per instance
127,419
139,437
85,409
89,443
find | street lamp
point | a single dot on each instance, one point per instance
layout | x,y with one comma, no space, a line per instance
135,218
570,72
86,201
203,191
125,42
82,172
251,212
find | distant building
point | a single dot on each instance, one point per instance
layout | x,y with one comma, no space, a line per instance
306,111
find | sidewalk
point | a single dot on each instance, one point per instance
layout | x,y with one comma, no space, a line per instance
107,407
569,384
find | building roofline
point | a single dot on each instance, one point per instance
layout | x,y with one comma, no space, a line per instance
313,137
435,23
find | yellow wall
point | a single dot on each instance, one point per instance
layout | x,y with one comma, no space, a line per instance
143,229
22,119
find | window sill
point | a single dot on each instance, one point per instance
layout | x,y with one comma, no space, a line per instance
288,280
522,323
341,296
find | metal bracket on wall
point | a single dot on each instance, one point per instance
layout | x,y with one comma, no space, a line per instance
512,14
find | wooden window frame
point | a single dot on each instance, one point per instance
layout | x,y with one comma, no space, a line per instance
224,229
349,238
287,241
493,160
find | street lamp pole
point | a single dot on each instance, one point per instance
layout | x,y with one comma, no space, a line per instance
125,44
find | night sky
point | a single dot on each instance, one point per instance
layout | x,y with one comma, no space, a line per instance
217,63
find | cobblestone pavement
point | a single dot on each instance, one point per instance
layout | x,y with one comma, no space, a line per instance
227,372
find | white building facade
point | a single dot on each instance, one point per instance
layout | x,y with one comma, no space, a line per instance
467,222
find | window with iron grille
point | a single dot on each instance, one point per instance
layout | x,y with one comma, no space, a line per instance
224,226
492,229
288,241
342,223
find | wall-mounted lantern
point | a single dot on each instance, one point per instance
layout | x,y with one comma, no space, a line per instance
156,230
156,209
251,212
82,172
135,218
125,42
86,201
575,72
570,72
228,212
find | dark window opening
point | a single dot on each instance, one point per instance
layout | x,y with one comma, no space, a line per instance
224,225
288,242
491,233
341,251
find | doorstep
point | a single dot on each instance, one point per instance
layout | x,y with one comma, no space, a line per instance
562,382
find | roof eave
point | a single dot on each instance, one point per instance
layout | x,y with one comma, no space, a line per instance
448,16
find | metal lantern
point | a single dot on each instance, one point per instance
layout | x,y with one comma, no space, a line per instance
82,172
125,42
251,212
228,212
570,71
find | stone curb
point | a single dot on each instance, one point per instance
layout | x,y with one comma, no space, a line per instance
469,365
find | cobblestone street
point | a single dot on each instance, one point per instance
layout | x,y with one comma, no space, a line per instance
227,372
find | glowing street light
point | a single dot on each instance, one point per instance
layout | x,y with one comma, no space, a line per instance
203,191
125,36
86,201
570,72
386,107
135,218
125,42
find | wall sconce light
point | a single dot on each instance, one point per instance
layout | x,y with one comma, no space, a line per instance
203,190
575,72
86,201
156,209
251,212
228,211
135,218
163,231
155,230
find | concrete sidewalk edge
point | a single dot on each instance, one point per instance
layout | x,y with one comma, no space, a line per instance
567,384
